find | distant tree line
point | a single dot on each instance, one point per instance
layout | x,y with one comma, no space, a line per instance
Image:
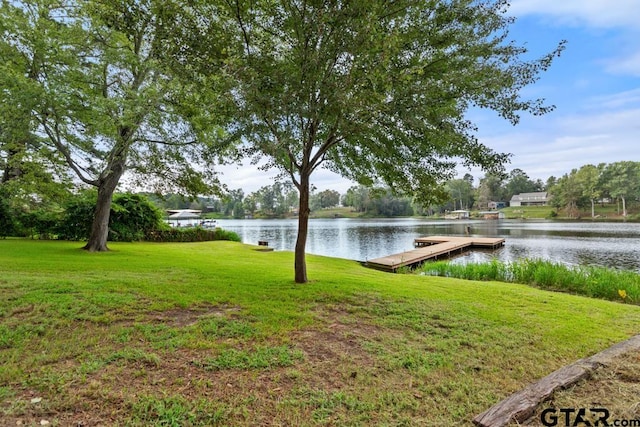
579,190
281,200
576,191
53,212
377,202
589,185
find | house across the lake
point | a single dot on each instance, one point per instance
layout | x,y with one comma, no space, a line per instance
496,205
529,199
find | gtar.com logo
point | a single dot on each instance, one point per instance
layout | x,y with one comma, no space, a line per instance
584,417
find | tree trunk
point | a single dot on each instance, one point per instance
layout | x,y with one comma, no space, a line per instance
303,227
12,168
624,206
100,227
593,208
16,149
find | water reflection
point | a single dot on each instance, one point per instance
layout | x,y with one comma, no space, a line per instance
575,243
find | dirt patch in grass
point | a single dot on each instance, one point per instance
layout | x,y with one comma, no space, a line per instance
336,342
328,346
21,311
615,388
140,393
131,390
180,317
174,385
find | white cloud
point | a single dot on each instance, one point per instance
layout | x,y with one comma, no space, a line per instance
627,65
246,176
622,123
615,101
249,178
604,132
595,13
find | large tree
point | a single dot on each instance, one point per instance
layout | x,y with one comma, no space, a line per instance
566,193
622,180
491,189
27,170
519,182
375,90
589,180
108,102
460,190
19,95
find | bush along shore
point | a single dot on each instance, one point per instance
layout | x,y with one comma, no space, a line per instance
591,281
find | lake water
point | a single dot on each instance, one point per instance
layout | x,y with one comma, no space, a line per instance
575,243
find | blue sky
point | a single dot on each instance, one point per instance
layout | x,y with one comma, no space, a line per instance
595,86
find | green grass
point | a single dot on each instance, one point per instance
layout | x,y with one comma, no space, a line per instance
591,281
337,212
217,333
528,212
175,411
607,212
259,358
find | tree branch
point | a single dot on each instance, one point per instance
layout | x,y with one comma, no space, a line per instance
245,34
172,144
331,141
54,136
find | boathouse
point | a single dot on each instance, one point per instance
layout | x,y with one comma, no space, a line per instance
459,214
491,215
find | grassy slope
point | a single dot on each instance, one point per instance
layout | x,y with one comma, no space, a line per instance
603,213
529,212
337,212
206,333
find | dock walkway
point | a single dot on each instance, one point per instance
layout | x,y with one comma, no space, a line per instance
432,247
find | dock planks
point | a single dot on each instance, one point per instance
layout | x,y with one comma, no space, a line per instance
432,247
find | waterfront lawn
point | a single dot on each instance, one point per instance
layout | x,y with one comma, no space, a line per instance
337,212
528,212
603,212
218,333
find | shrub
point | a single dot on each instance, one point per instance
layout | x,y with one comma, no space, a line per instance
41,223
191,234
75,223
7,221
132,217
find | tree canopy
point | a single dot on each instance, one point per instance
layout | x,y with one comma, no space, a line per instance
617,180
374,90
104,99
28,171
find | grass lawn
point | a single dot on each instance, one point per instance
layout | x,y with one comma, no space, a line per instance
528,212
607,212
217,333
337,212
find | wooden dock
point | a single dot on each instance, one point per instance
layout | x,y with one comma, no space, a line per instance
432,247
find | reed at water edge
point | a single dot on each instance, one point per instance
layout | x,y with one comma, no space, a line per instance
591,281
